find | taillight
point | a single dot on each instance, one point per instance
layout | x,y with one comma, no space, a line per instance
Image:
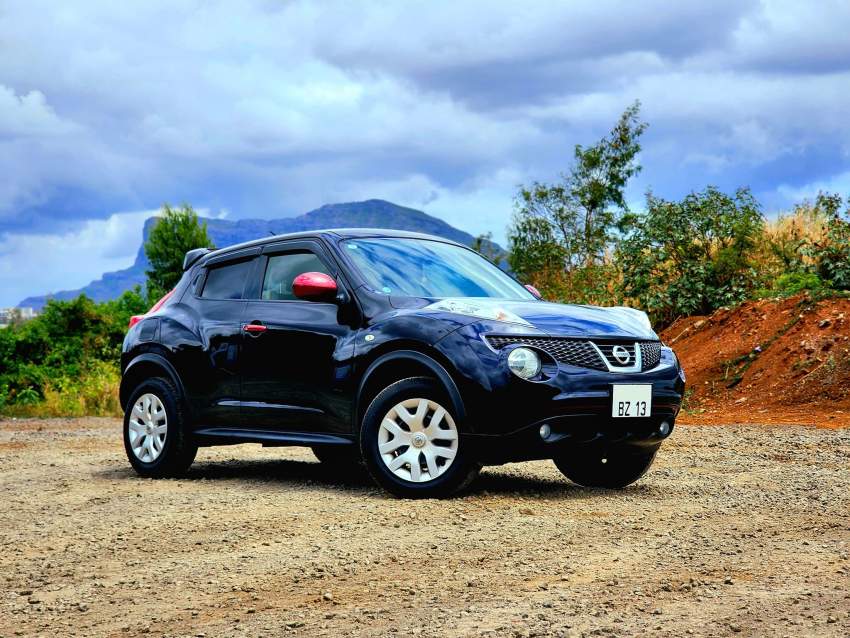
137,318
159,303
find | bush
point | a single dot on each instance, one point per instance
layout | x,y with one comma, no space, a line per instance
66,360
831,254
693,256
786,244
793,283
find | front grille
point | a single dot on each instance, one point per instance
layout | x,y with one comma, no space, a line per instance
650,352
625,348
574,352
581,353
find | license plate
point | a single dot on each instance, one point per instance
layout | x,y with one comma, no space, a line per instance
631,401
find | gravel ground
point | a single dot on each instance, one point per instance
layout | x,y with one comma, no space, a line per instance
735,531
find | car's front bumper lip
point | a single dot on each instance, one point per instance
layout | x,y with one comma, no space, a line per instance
568,432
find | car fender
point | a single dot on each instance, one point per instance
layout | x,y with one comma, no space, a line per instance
145,359
421,359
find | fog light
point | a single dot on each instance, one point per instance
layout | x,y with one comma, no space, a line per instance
524,363
545,431
664,429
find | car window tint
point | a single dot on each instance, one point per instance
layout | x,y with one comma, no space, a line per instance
282,269
227,282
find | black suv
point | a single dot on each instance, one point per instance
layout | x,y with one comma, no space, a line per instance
411,354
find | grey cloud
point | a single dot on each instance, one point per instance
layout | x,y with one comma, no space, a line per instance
268,108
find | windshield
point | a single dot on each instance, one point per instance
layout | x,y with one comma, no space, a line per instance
425,268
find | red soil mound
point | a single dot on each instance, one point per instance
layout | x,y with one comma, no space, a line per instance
767,361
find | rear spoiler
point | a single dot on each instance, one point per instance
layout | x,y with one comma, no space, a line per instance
194,255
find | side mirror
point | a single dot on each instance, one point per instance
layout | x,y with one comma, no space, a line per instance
314,286
533,291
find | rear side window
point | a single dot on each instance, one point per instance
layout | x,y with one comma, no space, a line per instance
282,269
227,282
196,283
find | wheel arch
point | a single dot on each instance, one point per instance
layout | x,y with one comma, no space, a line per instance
143,366
401,363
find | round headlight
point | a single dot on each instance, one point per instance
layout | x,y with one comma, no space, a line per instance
524,363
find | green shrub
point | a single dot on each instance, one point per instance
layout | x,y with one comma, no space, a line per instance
27,396
831,253
693,256
66,360
792,283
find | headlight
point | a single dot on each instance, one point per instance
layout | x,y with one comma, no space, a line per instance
524,363
478,308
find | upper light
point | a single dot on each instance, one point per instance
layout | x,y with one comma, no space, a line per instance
524,362
480,309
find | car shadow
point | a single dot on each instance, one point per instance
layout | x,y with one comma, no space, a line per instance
505,483
492,481
264,471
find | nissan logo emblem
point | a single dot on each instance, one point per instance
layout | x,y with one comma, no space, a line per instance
622,355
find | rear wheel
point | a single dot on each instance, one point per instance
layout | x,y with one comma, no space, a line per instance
612,468
411,442
155,437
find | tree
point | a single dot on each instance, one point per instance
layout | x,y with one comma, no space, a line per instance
483,244
177,231
692,256
561,232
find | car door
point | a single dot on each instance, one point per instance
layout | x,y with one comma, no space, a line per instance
218,298
295,352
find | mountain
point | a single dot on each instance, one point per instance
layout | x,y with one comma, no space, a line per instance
373,213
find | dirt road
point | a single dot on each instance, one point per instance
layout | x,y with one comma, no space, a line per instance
735,531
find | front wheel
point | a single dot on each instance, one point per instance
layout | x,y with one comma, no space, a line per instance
612,468
411,442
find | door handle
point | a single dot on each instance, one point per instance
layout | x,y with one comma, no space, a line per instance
254,328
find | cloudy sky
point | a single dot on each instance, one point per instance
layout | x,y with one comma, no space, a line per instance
273,108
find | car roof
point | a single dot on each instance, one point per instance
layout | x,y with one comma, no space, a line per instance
328,233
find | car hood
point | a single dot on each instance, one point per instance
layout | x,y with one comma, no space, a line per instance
551,318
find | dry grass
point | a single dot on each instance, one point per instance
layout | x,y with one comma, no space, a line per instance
94,394
782,247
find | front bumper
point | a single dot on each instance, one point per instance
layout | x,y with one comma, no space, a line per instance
567,433
505,413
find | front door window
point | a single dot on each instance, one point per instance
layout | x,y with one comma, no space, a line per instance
281,270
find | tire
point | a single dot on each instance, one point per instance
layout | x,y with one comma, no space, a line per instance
614,468
422,446
153,455
338,456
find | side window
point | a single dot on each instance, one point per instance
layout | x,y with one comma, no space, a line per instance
228,281
282,269
196,283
